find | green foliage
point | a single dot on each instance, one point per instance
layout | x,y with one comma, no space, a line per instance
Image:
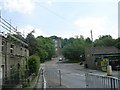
34,63
25,84
105,40
32,42
117,43
88,40
74,48
41,46
46,48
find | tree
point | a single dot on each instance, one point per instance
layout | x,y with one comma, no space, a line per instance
117,43
46,48
32,44
64,42
88,40
105,40
74,49
34,64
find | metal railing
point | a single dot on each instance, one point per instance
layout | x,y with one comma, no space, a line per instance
100,81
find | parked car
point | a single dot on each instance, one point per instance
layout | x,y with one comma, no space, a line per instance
60,59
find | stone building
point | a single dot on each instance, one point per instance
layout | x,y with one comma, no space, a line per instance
57,43
13,53
12,57
100,57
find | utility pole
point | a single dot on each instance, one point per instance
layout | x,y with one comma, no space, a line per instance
91,37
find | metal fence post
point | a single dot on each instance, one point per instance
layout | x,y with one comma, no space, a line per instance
101,81
60,77
114,84
118,84
86,79
42,78
111,83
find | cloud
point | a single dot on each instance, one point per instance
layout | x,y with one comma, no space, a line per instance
97,24
27,29
77,0
22,6
90,22
49,2
64,35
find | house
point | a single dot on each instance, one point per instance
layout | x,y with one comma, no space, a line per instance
13,53
12,57
57,43
100,57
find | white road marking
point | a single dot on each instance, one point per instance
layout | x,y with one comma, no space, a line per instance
77,74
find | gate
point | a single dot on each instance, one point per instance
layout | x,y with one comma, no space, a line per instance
100,81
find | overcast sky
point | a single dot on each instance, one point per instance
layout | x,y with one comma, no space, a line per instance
63,18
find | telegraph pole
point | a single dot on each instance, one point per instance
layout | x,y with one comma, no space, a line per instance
91,37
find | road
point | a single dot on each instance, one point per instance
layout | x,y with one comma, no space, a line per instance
71,74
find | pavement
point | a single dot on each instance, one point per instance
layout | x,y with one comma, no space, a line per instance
115,73
39,81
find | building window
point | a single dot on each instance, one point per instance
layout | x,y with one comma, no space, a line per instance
11,49
21,48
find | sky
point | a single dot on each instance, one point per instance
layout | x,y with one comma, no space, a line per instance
63,18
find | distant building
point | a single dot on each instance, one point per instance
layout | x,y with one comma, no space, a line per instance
100,57
12,57
57,43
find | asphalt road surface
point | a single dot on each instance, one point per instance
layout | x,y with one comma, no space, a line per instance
72,76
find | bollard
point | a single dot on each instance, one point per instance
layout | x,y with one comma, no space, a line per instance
109,70
60,77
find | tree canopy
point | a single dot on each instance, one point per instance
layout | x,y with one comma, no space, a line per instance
41,46
74,48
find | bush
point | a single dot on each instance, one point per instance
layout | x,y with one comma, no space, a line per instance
73,51
25,84
34,63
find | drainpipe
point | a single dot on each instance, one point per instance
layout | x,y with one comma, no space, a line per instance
5,59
